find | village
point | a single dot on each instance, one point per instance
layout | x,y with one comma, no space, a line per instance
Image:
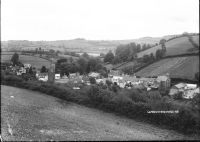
161,83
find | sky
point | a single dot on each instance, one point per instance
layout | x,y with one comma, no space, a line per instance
96,19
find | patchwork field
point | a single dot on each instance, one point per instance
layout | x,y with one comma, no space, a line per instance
34,61
179,67
174,47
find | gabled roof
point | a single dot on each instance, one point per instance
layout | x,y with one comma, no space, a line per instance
162,78
94,74
192,86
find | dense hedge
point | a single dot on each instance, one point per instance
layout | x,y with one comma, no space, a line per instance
133,103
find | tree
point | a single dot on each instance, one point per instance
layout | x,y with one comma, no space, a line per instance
159,54
102,54
116,60
108,82
51,51
178,96
152,57
92,63
85,55
138,48
197,76
15,59
185,34
61,61
92,80
109,57
70,59
43,69
144,47
162,43
30,71
103,72
146,58
82,62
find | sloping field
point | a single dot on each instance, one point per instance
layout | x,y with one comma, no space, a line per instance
179,67
129,64
174,47
34,61
33,116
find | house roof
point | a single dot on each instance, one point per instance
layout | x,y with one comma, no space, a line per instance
94,74
162,78
192,86
117,77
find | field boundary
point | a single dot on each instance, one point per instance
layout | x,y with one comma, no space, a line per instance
166,57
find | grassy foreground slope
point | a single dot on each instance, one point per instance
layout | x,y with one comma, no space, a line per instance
179,67
40,117
174,47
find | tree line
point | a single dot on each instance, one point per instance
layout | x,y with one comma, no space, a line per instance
84,64
128,52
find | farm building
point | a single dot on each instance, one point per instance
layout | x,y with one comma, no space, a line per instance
188,90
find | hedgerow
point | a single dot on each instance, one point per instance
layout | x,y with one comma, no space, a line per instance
133,103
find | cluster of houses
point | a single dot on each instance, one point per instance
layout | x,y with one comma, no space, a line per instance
123,81
19,70
161,83
188,91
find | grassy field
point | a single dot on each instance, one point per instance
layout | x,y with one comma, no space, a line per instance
34,61
37,117
179,67
174,47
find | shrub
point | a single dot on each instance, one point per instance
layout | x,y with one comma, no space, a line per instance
98,95
136,95
92,80
178,96
13,79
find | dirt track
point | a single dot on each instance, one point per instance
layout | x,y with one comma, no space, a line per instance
28,115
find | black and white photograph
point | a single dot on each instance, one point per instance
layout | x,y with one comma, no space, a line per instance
100,70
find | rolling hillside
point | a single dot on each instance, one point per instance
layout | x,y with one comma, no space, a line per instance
77,45
179,67
34,61
174,47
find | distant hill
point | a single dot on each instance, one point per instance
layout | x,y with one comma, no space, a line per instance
77,45
176,46
178,67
